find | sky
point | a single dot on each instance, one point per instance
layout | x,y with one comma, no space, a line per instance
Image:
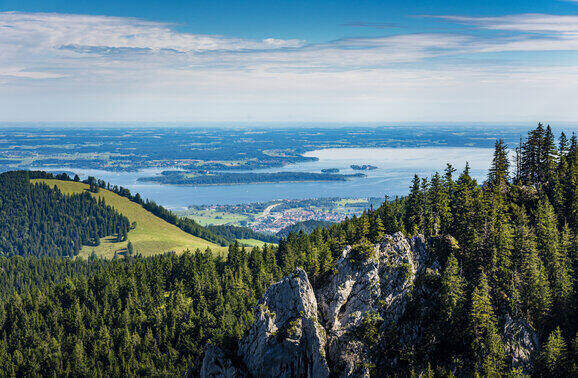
289,61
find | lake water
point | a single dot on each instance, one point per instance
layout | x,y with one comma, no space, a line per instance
396,167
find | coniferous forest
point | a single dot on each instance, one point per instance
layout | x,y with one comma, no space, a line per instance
38,220
508,247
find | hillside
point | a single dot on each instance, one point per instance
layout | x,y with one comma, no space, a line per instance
459,278
152,235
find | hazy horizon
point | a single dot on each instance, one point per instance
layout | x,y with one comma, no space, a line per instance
272,124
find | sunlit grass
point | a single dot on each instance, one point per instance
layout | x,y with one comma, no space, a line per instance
152,234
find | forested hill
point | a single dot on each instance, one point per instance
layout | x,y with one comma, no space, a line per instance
221,235
495,294
39,220
42,216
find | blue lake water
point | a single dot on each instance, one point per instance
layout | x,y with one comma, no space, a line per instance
396,167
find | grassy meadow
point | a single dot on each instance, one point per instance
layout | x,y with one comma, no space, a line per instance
152,234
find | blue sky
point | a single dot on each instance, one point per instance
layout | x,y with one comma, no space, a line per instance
386,61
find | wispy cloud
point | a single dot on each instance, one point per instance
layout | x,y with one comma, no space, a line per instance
37,41
374,25
147,62
530,23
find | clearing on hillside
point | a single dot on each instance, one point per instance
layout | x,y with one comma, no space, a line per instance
152,234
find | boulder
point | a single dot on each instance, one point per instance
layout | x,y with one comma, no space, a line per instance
286,339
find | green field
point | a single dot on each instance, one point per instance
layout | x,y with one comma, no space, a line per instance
152,234
254,242
211,217
349,201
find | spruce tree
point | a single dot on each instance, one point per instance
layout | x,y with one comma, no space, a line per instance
531,156
487,345
562,144
452,302
555,354
499,241
548,156
536,294
498,175
547,233
415,206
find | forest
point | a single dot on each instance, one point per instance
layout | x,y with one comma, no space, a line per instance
222,235
508,247
226,178
38,220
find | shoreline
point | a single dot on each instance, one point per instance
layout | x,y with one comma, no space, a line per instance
248,183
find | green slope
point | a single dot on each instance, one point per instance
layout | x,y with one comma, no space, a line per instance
152,234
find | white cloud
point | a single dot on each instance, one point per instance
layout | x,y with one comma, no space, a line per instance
70,65
530,22
90,42
75,45
53,30
14,72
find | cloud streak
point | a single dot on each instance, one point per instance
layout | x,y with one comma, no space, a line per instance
67,55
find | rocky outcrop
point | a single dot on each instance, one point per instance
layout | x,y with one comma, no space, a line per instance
376,285
216,364
286,339
299,332
378,298
521,344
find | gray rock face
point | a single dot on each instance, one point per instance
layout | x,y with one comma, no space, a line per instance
215,364
379,285
301,333
286,339
521,343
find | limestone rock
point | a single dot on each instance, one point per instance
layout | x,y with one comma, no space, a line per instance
379,285
286,339
299,332
216,364
521,343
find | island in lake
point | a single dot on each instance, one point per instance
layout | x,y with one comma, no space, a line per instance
330,170
364,167
229,178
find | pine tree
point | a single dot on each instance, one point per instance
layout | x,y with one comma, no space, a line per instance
498,175
548,156
364,227
530,165
562,145
518,176
415,205
452,300
562,278
555,354
536,295
547,233
377,228
487,345
439,205
499,241
466,216
448,178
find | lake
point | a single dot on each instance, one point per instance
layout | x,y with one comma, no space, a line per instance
396,167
